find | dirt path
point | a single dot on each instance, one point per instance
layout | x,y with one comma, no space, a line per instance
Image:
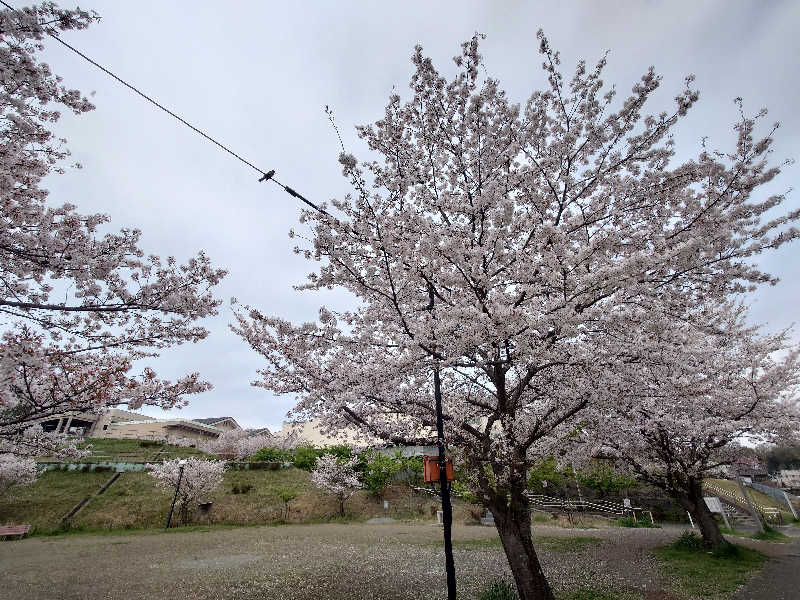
780,579
312,562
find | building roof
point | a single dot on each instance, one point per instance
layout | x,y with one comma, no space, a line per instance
212,420
259,431
193,423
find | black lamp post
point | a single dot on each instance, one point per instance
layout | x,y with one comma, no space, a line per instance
182,464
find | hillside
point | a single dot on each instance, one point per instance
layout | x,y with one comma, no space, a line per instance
134,501
113,450
759,498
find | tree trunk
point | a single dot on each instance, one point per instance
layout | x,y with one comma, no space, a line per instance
513,522
709,528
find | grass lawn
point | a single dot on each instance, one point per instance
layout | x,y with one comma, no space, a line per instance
113,450
698,573
134,502
48,499
769,535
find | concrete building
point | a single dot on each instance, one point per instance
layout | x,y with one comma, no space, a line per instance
789,479
123,424
310,432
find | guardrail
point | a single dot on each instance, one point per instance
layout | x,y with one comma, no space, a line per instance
573,505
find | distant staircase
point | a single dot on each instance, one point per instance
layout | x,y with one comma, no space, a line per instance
603,508
737,510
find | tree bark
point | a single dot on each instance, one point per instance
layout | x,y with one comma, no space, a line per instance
513,522
693,502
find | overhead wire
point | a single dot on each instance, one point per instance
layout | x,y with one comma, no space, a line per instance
265,175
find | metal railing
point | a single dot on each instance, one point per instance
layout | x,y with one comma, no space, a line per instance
581,505
771,513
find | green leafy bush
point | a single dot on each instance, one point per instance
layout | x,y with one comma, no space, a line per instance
727,550
689,541
462,491
548,471
378,471
604,480
305,457
499,590
270,454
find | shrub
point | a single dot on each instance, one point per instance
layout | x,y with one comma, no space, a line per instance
272,454
305,457
150,443
546,470
378,471
726,550
601,478
690,541
630,522
499,590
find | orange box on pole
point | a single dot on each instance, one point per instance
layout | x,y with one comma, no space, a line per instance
432,473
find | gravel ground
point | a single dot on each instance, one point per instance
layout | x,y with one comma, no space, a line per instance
304,562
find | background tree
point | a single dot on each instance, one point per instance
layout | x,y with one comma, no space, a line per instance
336,476
546,471
505,247
690,398
80,307
779,456
237,444
14,471
603,480
199,481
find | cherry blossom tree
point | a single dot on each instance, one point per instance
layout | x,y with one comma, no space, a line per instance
80,306
236,444
199,480
336,476
688,399
503,248
14,471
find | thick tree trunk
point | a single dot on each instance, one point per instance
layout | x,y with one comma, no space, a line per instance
513,521
709,528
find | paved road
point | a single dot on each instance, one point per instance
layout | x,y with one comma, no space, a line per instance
780,579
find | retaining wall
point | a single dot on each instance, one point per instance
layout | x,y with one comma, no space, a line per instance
121,467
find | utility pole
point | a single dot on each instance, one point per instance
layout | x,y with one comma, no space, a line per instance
444,485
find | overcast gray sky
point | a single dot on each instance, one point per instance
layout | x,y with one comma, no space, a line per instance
256,75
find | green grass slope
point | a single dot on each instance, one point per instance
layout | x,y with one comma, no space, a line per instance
134,501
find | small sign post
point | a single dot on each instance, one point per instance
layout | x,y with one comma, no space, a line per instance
715,506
